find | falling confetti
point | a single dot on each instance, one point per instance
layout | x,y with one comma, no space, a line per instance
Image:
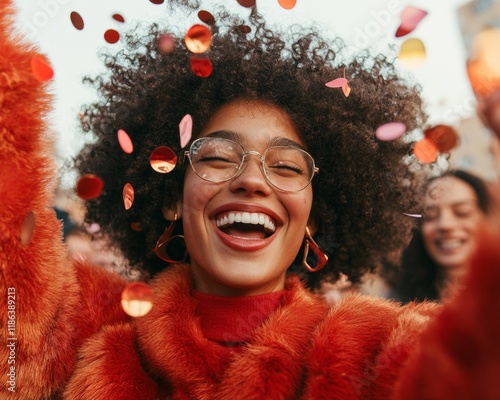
27,229
125,141
198,39
118,17
340,83
157,1
206,17
201,67
426,151
166,44
111,36
410,18
89,187
287,4
413,215
41,68
247,3
444,136
185,130
412,53
137,299
390,131
77,20
163,159
128,196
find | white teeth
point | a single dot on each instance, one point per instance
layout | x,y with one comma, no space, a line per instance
450,244
247,218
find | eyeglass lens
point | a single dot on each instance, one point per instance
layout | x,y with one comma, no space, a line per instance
218,160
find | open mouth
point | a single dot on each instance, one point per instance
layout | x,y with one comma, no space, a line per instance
246,225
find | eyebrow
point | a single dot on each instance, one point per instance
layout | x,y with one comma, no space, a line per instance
236,137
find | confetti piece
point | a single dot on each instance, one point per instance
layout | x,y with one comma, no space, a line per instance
198,39
426,151
128,196
346,89
444,136
163,159
206,17
201,67
413,215
118,17
247,3
89,187
157,1
287,4
410,18
111,36
166,44
243,29
390,131
185,130
137,299
27,229
94,227
412,53
41,68
337,83
125,141
77,20
340,83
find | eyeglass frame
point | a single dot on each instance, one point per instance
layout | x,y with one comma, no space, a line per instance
315,170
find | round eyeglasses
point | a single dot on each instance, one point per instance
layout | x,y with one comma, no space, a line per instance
287,168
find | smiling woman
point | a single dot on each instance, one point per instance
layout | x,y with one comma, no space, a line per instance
235,189
436,261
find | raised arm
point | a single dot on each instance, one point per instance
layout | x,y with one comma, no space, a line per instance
48,305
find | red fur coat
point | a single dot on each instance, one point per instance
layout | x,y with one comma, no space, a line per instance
63,333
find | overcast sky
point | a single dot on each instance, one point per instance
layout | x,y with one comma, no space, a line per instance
360,23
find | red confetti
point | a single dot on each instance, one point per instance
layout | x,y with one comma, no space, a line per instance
201,67
444,136
247,3
137,299
77,20
111,36
41,69
206,17
157,1
128,196
118,17
89,187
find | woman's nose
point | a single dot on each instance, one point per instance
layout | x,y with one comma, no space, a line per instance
251,179
446,220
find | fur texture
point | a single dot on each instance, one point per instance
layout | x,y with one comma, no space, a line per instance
55,303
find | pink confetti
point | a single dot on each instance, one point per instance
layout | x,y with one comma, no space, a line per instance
390,131
346,89
166,44
337,83
125,141
410,18
185,130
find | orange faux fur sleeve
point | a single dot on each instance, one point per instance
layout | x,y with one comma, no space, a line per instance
44,315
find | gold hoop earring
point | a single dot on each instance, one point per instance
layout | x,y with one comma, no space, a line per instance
310,244
168,244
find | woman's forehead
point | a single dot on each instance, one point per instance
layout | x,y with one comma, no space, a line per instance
252,121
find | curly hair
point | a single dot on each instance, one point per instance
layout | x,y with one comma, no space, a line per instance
364,185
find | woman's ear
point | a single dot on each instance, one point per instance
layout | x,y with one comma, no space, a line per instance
313,226
173,212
